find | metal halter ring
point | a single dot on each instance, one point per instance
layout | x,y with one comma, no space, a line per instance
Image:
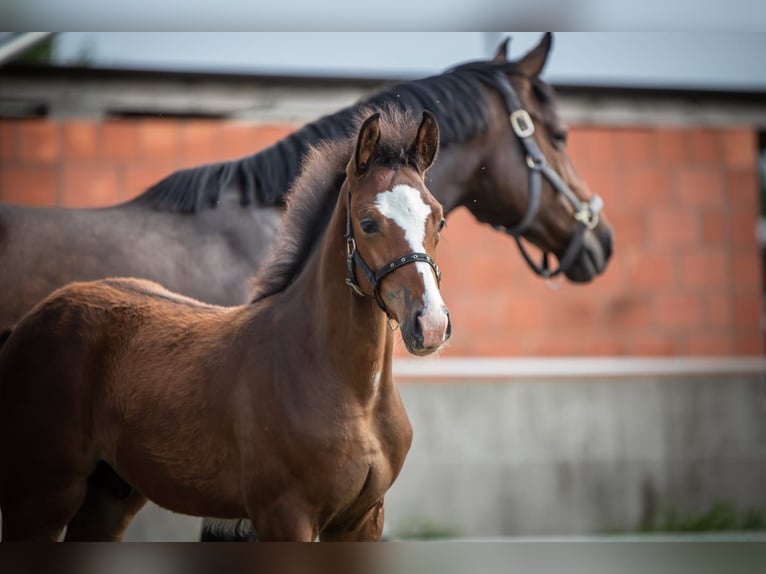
587,216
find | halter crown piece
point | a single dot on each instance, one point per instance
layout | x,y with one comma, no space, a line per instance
353,258
586,213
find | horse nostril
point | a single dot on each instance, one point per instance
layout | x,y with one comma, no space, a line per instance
417,327
448,333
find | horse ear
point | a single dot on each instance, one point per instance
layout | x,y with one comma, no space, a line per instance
533,61
426,143
501,54
367,142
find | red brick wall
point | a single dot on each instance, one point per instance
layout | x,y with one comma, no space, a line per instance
685,278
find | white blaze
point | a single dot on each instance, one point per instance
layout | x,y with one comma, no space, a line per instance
403,205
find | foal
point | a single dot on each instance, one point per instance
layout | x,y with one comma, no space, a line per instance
282,411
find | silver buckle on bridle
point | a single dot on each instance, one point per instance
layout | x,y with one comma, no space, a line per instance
522,123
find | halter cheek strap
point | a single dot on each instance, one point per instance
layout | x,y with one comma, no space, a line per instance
354,258
585,213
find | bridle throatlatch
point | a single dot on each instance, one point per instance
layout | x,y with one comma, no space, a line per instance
353,258
586,213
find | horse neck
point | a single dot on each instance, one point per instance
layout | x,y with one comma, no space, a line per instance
464,168
348,330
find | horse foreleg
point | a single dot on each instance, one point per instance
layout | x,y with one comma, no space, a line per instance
368,528
284,521
41,510
103,516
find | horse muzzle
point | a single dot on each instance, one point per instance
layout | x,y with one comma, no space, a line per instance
594,256
426,330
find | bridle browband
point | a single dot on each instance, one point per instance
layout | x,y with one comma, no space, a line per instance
353,258
586,213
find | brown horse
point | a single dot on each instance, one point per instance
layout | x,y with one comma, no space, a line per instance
282,410
205,231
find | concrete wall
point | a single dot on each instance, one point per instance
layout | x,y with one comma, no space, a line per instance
575,456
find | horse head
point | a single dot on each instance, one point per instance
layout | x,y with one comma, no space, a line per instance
392,229
526,184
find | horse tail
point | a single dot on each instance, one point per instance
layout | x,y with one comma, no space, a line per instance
227,530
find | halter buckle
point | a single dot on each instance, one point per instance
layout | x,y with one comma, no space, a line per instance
354,287
350,246
521,122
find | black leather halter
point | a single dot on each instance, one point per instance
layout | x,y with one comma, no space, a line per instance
586,213
353,257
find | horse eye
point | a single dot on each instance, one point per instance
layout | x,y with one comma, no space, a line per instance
442,224
560,138
368,225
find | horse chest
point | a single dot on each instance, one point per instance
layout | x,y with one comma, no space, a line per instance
374,455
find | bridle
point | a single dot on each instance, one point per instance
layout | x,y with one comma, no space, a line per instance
586,213
353,258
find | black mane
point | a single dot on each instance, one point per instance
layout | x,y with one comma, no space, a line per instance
456,98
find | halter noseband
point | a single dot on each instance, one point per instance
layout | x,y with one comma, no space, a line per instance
353,257
586,213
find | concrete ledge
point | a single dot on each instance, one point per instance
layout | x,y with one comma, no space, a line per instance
578,367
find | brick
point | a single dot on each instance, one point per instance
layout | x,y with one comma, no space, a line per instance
644,186
672,146
200,143
629,310
700,186
747,270
566,309
674,228
28,185
654,345
136,179
597,344
749,343
120,140
265,135
8,140
704,146
237,139
159,141
710,344
520,312
637,145
713,228
748,308
742,190
597,146
38,140
652,271
740,148
81,140
743,229
89,186
718,310
554,344
630,229
679,311
704,269
577,146
606,182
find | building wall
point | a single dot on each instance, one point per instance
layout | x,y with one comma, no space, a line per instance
685,278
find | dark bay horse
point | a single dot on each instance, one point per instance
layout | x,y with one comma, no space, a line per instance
204,231
282,410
